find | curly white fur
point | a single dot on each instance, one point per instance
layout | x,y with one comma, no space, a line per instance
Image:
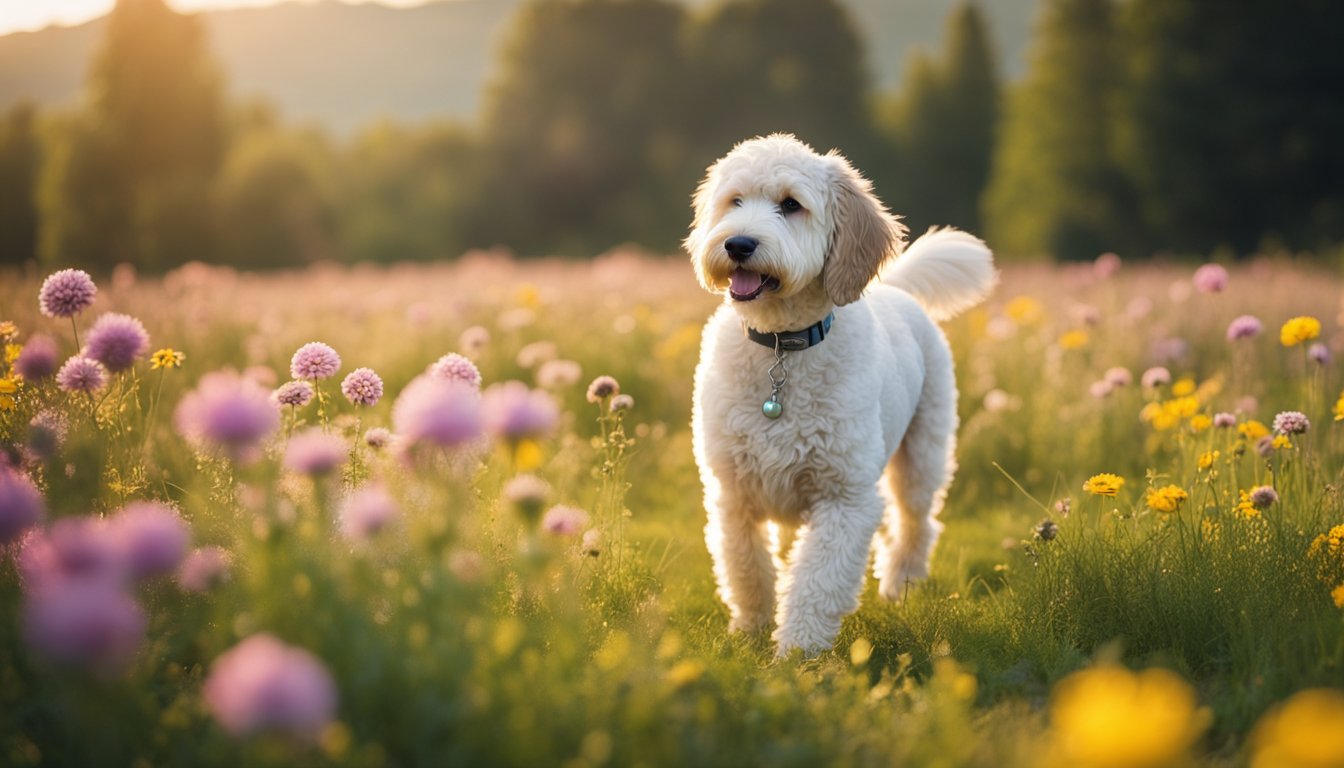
863,452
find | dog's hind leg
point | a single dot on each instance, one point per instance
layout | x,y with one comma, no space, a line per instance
743,567
917,478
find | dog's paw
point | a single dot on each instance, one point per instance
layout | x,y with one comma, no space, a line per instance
901,576
807,640
748,623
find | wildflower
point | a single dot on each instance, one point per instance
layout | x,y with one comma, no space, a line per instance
527,493
66,293
1200,422
1224,420
377,437
1064,506
1104,484
1155,377
152,538
294,394
1085,314
81,374
443,413
622,403
1101,389
1252,430
1245,507
73,548
1319,353
1183,387
203,569
1118,377
314,452
536,353
466,566
1210,278
8,330
513,412
1337,594
1110,716
166,358
46,432
1264,447
228,412
474,340
1327,552
1280,442
1046,530
555,374
1166,499
1105,265
1338,410
1244,327
367,511
591,544
37,360
454,367
262,684
362,387
1207,459
1024,310
1075,339
603,387
21,505
1169,349
1291,423
88,623
1263,496
561,520
117,341
314,361
1299,330
1302,732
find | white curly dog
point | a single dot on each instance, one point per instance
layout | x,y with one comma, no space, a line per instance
816,381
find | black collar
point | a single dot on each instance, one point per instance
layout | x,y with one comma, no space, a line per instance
793,341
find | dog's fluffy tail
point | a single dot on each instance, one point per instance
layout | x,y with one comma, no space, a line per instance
946,270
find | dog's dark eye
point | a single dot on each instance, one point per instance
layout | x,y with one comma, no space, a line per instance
789,205
737,202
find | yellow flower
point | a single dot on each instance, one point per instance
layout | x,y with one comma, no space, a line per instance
1327,553
12,352
1339,408
1282,441
1337,594
8,330
6,403
1167,499
529,296
1183,387
1104,484
8,386
1200,422
1073,340
1252,430
1109,717
1298,330
1207,459
1245,507
1302,732
1024,310
166,358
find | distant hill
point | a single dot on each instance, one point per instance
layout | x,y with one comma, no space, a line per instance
344,65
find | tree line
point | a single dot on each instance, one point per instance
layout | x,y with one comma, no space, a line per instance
1141,126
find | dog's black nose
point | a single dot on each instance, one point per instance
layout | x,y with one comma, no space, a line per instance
740,247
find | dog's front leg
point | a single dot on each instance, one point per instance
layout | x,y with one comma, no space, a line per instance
824,580
743,566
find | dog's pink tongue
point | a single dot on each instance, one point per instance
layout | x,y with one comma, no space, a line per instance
744,283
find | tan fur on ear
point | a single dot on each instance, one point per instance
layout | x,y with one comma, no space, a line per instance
700,203
865,236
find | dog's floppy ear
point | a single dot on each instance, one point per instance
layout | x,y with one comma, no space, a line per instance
700,225
864,235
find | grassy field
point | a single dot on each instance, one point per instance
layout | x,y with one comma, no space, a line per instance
1192,617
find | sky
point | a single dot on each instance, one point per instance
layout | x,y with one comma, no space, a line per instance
26,15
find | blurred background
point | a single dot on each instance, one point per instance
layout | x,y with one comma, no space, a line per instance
270,134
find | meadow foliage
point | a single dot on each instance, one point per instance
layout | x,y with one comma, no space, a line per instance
448,515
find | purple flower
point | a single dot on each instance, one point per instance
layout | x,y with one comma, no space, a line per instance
622,402
21,505
362,387
527,493
1265,446
366,512
474,340
313,361
46,432
117,341
66,293
436,411
1155,377
1319,353
295,394
229,412
1101,389
1291,423
73,548
1210,278
81,374
1118,377
1244,327
603,387
1224,420
1169,349
314,452
561,520
262,684
204,569
1263,496
514,412
152,536
377,437
454,367
86,623
38,358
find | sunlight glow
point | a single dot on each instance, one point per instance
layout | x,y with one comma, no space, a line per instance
29,15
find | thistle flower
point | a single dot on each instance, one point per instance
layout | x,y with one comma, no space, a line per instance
1224,420
1263,496
622,402
152,537
562,520
314,361
1319,353
1104,484
72,549
314,452
46,432
536,353
66,293
377,437
514,412
117,341
262,684
1046,530
474,340
453,367
1155,377
556,374
1210,278
591,544
1291,423
1299,330
204,569
81,374
37,361
1118,377
527,493
432,410
227,412
362,387
294,394
1244,327
1101,389
603,387
367,511
85,623
21,505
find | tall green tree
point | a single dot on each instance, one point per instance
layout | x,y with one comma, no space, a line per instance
944,126
1055,186
1235,121
134,182
20,153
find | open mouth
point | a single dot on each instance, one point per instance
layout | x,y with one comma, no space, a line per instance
745,285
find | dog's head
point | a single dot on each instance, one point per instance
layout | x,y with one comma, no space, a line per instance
784,231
